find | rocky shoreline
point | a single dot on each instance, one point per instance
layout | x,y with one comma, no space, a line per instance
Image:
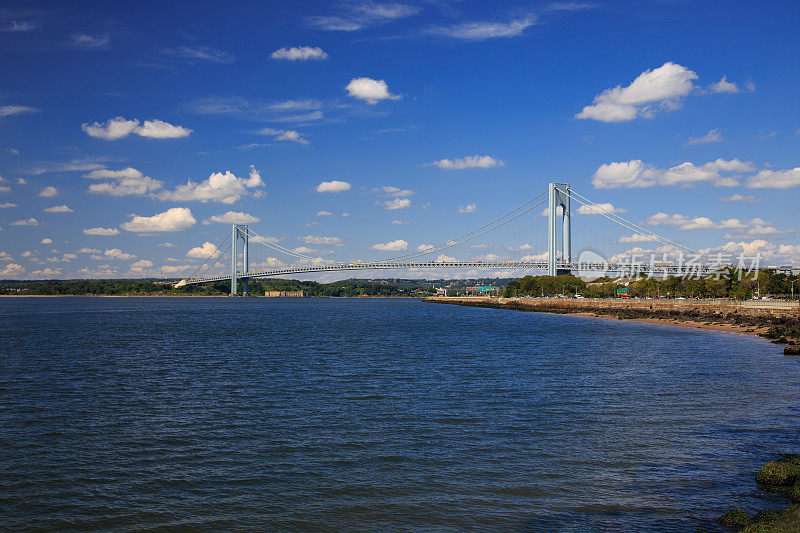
781,326
782,475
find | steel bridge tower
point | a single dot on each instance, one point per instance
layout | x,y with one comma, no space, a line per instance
240,232
559,195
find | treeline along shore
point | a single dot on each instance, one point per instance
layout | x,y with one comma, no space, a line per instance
778,321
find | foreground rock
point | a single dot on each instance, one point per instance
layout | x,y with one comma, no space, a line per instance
780,475
791,350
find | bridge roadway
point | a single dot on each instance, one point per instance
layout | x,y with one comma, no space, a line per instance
600,268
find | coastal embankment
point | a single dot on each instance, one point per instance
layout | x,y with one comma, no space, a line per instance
779,321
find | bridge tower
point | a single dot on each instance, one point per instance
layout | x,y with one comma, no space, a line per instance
559,195
240,232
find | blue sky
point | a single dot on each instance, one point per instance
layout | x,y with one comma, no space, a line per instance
131,136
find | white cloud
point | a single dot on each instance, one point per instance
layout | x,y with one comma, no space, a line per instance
113,129
775,254
5,189
101,231
397,203
637,237
126,182
445,259
369,90
397,192
7,205
303,250
725,86
21,181
141,264
755,226
165,245
425,247
158,129
481,31
86,250
713,136
25,222
651,91
398,222
48,192
12,270
597,209
473,161
232,217
83,40
392,246
5,256
175,269
117,254
775,179
200,53
739,198
284,135
58,209
359,15
299,53
8,110
333,186
635,174
47,241
314,239
203,251
175,219
323,213
220,187
469,208
119,127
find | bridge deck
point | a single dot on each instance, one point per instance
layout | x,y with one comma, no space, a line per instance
600,268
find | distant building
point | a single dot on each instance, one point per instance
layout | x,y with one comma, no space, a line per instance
286,294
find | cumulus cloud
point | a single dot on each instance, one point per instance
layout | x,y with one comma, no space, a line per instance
333,186
8,110
101,231
725,86
445,259
598,209
637,237
48,192
775,179
220,187
232,217
47,241
739,198
469,208
483,30
284,135
392,246
58,209
203,251
119,127
299,53
473,161
713,136
736,226
12,270
323,213
6,205
636,174
314,239
370,90
140,265
117,254
175,219
651,91
396,203
425,247
25,222
125,182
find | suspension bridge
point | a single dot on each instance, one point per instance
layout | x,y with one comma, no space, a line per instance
559,212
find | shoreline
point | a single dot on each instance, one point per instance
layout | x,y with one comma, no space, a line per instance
782,325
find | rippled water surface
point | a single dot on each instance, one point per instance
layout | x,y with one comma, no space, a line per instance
319,414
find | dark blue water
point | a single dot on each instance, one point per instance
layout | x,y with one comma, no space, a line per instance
317,414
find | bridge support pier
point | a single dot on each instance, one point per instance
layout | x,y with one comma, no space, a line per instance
240,232
558,195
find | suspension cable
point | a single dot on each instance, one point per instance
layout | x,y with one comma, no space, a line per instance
220,249
263,240
447,244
